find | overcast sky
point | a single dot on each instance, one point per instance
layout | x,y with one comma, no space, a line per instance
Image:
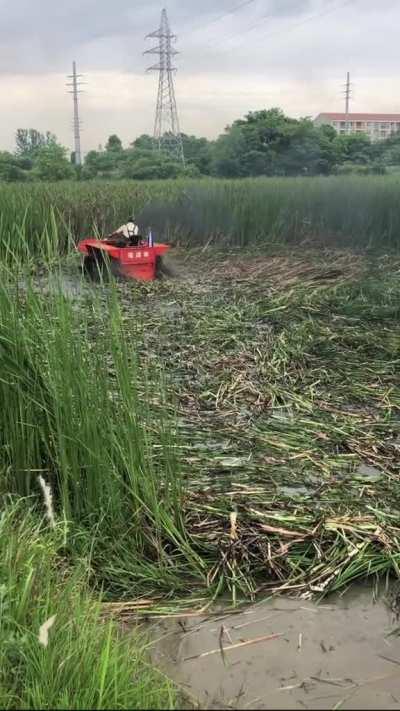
235,56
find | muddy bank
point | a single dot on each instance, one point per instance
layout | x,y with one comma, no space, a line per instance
343,653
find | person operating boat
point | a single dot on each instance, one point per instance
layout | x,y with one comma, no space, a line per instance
129,230
128,233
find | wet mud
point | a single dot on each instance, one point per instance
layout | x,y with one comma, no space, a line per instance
286,654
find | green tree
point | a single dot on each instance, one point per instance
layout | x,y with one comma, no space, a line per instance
198,152
150,165
101,164
228,153
12,168
190,171
328,131
90,167
29,141
51,163
354,148
144,142
387,152
114,144
269,143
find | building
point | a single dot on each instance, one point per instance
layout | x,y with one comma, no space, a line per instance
376,126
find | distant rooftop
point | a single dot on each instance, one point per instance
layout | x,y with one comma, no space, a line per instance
358,117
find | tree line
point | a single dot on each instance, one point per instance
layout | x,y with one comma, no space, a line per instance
264,142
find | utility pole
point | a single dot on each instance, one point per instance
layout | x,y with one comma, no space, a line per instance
347,94
167,132
75,84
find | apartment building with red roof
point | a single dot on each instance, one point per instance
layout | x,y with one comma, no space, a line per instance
376,126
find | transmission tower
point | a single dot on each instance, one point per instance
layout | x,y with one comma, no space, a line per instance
166,128
347,93
75,84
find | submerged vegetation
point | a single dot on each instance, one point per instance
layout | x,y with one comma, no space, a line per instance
234,429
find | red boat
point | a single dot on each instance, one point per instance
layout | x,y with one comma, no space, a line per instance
133,258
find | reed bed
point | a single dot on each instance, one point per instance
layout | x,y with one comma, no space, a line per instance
355,212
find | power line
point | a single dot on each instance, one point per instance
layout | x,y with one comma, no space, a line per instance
295,26
222,17
261,19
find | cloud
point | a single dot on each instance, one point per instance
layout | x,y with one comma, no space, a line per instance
238,56
43,36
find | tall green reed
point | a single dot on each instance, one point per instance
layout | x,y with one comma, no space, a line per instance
75,408
84,662
359,212
351,212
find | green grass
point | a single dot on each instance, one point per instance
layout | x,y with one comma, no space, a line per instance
87,663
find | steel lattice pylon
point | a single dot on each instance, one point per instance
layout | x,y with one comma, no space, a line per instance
166,128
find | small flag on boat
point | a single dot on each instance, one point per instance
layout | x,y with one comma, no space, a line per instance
151,240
